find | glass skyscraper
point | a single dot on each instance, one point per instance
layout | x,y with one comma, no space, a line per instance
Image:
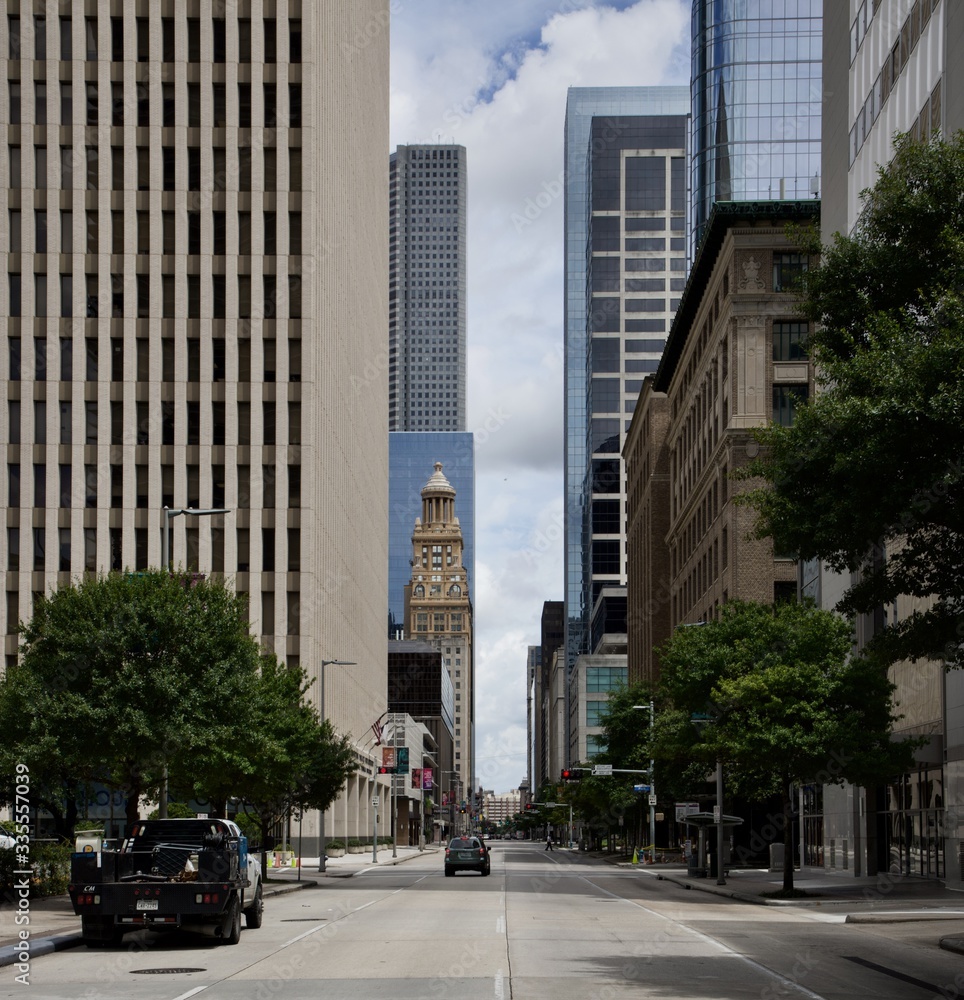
756,92
625,267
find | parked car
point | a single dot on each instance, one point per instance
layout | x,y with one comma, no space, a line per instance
468,854
7,839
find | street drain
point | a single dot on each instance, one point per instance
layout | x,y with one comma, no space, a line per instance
301,920
163,972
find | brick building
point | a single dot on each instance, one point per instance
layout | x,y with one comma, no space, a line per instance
734,361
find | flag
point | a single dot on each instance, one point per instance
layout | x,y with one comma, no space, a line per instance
377,730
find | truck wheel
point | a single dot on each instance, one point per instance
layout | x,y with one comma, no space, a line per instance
231,933
254,914
99,932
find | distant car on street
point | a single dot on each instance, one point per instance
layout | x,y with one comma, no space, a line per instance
7,839
466,854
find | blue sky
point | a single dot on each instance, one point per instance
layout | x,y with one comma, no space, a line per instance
494,77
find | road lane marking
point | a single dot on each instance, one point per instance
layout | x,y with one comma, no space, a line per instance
194,992
500,925
725,949
295,940
499,986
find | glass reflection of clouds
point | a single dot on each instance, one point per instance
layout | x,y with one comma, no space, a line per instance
756,92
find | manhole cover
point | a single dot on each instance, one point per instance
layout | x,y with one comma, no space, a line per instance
163,972
301,920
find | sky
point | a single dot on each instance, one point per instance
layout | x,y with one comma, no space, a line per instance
493,77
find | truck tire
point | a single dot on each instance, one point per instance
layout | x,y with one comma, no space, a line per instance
254,914
231,933
99,932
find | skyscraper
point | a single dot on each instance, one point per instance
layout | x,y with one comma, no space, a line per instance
893,67
625,266
756,102
438,604
179,332
427,276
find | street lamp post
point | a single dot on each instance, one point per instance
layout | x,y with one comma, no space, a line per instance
652,783
166,565
321,712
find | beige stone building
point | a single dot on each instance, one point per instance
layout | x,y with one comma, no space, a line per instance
438,607
196,284
733,362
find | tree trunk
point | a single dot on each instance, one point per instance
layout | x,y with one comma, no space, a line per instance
785,791
132,811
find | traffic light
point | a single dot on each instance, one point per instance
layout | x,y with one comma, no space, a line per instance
529,807
386,770
570,774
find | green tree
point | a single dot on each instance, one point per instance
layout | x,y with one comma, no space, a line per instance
869,476
289,759
783,703
118,673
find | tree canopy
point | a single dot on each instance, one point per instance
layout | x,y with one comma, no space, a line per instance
129,675
772,692
869,476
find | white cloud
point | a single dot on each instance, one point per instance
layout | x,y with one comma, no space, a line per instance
494,78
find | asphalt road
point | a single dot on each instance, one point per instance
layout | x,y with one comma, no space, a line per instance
540,926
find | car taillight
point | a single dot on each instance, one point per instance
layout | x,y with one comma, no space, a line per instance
481,850
447,852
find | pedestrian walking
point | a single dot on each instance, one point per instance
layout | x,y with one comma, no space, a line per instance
548,842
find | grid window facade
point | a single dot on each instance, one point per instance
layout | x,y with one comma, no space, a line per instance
427,282
166,228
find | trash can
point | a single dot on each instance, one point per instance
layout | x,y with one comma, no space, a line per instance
693,867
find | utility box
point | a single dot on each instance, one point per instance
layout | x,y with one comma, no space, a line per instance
776,857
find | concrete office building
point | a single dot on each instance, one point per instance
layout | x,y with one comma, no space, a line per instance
552,642
427,278
757,94
625,267
195,257
892,66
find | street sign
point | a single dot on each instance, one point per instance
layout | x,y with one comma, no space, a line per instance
375,800
652,799
716,814
683,809
603,770
641,788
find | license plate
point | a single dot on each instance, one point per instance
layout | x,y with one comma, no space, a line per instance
147,904
467,855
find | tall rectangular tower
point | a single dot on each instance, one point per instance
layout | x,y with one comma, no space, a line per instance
625,267
427,277
195,260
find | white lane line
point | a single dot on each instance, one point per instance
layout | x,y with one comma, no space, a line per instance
500,925
725,949
295,940
499,986
191,993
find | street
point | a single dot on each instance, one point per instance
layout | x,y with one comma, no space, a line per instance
543,925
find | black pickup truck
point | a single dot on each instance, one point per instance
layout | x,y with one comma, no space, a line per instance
168,873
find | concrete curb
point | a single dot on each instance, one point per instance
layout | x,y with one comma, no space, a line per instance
955,944
10,954
898,917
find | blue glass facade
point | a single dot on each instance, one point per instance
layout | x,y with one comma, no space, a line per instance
756,91
624,259
411,459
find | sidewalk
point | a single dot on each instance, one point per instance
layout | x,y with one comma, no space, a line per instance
54,927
